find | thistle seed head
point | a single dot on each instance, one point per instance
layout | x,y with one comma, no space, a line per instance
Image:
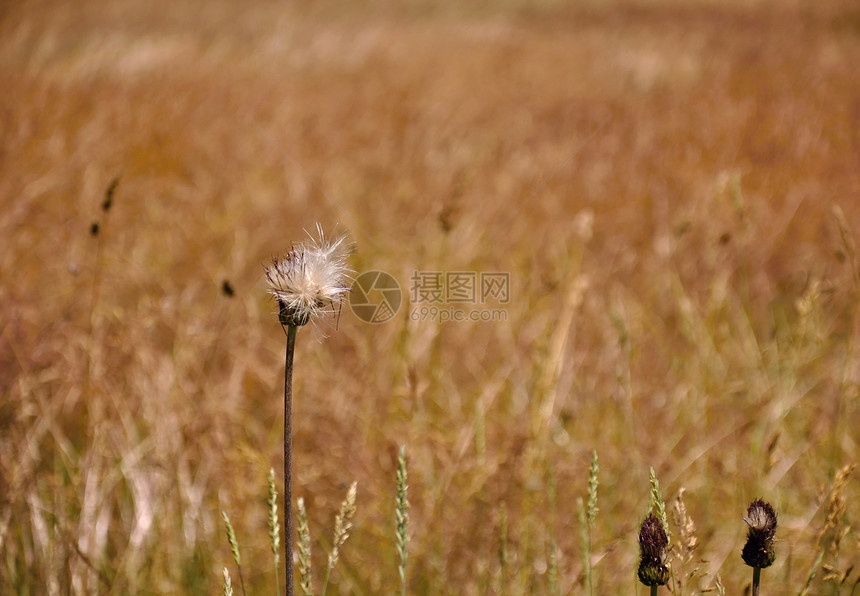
310,279
653,552
761,520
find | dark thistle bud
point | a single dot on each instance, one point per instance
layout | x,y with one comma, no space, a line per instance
761,519
288,315
653,552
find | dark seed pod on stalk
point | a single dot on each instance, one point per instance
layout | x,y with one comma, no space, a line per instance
761,520
653,552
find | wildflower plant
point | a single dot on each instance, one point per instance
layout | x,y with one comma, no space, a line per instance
308,282
758,551
653,553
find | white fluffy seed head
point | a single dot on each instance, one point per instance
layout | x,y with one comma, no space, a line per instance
311,279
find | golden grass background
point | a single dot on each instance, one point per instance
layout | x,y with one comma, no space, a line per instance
672,186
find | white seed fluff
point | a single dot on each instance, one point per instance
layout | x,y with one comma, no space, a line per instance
311,278
757,518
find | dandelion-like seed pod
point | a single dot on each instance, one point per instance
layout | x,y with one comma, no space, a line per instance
761,520
653,552
309,280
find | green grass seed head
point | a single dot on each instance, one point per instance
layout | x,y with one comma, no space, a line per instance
657,503
274,526
592,489
231,538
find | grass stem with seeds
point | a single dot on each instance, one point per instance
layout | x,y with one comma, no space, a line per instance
402,518
305,569
234,549
274,527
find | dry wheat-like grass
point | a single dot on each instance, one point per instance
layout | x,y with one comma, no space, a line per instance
274,526
342,526
304,543
670,188
832,532
228,584
687,568
401,518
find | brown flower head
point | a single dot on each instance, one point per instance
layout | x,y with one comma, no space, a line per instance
761,520
653,552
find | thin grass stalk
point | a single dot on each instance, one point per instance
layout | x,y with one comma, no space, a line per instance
288,459
503,548
552,564
591,515
812,571
584,545
552,571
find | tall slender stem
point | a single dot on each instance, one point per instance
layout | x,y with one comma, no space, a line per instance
654,590
288,459
756,580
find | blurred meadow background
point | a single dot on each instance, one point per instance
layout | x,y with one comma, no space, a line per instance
672,186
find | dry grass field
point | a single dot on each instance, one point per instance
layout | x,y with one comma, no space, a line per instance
673,187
